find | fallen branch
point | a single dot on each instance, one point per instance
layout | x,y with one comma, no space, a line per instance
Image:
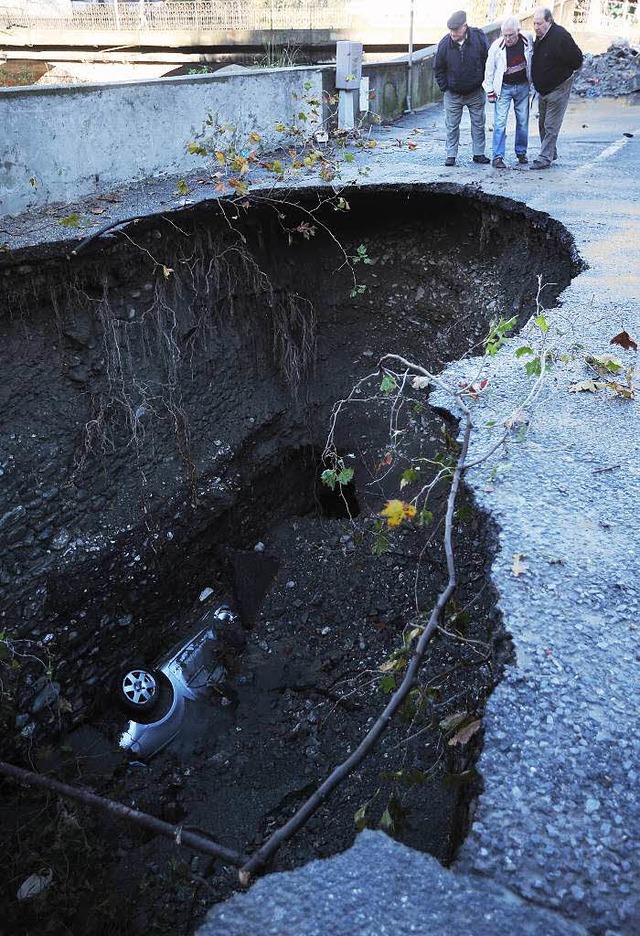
280,836
180,835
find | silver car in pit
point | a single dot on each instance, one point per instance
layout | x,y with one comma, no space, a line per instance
157,697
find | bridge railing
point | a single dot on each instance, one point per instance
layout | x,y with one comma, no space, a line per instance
233,15
197,14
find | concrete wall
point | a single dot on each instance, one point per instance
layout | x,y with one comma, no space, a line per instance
77,141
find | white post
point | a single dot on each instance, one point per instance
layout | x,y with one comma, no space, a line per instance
410,58
116,13
348,78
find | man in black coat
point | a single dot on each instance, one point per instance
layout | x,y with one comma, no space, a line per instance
555,58
459,71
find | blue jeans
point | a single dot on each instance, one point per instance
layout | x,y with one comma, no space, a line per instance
519,94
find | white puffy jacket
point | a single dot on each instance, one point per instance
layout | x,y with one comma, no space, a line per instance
497,63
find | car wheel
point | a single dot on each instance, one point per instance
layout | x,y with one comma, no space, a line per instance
138,688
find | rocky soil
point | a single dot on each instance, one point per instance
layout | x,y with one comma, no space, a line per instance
310,680
613,73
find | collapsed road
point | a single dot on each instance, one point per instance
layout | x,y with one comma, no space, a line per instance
550,848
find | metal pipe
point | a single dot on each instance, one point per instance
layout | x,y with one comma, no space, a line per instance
410,58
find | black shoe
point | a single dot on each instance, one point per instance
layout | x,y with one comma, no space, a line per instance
450,161
522,159
499,163
536,164
483,160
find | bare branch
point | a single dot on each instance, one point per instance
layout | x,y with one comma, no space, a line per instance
179,835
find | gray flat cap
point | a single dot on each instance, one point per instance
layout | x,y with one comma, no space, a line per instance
456,20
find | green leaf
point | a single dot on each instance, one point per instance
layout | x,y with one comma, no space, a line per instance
360,818
520,352
329,477
182,187
541,323
533,368
345,476
71,221
388,384
386,822
605,362
348,157
408,477
387,683
197,150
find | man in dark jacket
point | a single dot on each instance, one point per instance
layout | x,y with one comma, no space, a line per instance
459,70
555,58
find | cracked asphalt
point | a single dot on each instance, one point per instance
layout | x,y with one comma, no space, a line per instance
554,844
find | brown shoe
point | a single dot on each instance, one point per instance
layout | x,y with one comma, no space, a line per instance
522,159
498,163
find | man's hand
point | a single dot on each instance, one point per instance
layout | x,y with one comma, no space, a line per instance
492,97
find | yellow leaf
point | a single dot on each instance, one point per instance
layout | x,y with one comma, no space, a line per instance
254,137
220,157
166,271
396,511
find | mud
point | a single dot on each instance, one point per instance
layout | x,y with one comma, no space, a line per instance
198,453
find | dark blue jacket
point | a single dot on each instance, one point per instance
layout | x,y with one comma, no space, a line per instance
462,70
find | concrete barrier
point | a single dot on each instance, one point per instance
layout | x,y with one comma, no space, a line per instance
60,144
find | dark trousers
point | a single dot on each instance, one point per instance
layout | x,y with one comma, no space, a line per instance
552,107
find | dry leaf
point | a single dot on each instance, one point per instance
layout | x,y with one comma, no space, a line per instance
625,340
589,386
519,567
452,721
462,736
420,383
517,418
98,211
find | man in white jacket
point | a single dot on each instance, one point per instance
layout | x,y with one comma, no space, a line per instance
507,78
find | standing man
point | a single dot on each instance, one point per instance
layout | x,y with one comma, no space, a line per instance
555,58
459,70
506,79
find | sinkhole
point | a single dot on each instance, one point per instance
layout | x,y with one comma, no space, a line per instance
168,392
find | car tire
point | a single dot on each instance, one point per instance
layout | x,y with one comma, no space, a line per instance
139,688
